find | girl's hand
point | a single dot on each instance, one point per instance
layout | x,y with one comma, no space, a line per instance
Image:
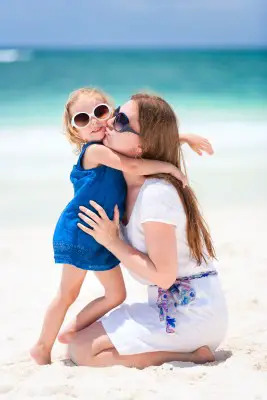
174,171
198,144
103,230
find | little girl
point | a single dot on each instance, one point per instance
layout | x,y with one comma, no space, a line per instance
85,117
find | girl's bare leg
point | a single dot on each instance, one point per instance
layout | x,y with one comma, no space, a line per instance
115,294
92,347
71,281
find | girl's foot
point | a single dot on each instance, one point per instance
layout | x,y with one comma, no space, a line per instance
66,336
202,355
40,354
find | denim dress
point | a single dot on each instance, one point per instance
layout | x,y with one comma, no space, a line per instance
107,187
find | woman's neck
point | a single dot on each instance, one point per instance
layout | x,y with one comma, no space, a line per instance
134,180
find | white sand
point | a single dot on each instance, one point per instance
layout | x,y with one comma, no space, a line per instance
241,368
30,279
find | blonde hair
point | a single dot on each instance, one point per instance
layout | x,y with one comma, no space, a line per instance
70,131
160,141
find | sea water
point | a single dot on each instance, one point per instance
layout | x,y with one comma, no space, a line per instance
219,94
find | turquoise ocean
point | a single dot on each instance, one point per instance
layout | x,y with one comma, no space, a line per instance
34,84
220,94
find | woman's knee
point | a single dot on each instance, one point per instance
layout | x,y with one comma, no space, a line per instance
80,349
77,352
86,343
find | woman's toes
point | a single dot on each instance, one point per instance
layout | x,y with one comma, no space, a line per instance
203,355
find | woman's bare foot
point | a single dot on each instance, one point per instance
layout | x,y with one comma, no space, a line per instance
202,355
40,354
66,336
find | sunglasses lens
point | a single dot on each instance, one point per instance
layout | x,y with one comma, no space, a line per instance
121,120
102,112
81,120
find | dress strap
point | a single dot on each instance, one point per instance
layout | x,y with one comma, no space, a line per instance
85,146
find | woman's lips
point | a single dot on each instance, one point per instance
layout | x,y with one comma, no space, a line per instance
107,132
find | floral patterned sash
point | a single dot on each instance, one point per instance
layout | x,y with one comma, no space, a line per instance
179,294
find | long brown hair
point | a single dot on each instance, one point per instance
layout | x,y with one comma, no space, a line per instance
160,141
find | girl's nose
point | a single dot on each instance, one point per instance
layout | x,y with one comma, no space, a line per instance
95,122
110,123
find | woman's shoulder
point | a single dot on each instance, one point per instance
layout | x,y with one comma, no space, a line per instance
159,188
157,192
159,202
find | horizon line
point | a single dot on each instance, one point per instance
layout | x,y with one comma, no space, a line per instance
132,47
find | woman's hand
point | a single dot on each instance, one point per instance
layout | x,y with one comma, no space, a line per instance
103,230
197,143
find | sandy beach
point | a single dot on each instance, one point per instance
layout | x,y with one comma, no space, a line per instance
35,188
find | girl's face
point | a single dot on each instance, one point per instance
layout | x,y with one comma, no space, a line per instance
126,143
95,130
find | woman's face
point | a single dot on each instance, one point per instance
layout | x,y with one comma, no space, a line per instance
95,130
126,143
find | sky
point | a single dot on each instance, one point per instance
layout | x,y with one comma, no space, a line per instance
133,23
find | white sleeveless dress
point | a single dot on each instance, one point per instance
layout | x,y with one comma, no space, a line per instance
136,328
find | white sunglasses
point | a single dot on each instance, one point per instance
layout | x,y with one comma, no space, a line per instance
82,119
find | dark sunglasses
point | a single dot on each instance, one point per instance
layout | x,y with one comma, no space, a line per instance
121,122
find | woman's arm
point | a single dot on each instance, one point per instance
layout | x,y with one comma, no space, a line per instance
197,143
98,154
159,266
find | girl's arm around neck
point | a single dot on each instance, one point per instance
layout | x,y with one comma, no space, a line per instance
99,154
